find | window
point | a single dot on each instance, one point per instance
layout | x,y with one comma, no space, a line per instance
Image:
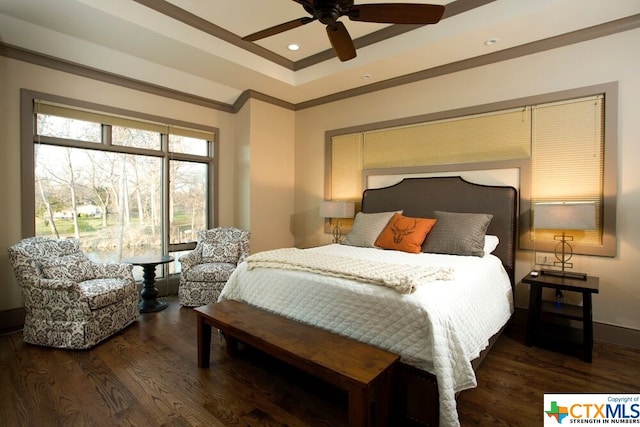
564,144
123,185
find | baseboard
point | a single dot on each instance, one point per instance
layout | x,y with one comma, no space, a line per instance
618,335
11,320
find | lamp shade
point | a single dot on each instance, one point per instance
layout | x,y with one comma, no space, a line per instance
565,216
337,209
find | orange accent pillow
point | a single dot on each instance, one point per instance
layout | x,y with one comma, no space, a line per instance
404,233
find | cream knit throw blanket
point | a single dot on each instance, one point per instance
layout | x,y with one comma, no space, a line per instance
402,278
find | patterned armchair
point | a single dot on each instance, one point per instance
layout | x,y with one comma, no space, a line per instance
205,270
70,301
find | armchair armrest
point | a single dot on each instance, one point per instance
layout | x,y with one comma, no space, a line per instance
244,250
56,284
190,259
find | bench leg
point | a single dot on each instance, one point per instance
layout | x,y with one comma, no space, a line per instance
232,345
383,394
204,342
359,401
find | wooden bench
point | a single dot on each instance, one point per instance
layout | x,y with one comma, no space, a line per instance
356,367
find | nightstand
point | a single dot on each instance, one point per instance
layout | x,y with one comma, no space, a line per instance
544,327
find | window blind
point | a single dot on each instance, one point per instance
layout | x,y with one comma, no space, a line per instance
495,136
58,110
346,167
568,158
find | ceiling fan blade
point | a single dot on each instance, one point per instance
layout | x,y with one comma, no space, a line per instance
397,13
280,28
305,2
341,41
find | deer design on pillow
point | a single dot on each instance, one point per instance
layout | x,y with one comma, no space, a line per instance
403,233
400,231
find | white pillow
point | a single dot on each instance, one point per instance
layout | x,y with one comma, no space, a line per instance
490,243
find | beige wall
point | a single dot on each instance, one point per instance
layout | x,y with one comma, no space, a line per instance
599,61
242,182
272,174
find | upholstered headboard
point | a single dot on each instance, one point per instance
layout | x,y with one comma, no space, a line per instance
420,197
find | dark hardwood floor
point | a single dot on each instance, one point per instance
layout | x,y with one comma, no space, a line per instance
147,376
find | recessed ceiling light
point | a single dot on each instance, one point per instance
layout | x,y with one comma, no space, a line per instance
293,46
365,76
490,42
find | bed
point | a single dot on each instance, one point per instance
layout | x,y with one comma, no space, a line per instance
441,326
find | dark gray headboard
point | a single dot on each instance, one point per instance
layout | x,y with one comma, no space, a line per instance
419,197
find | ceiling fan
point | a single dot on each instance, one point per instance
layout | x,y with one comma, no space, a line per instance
328,12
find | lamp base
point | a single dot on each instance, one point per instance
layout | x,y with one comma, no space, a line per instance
563,253
568,274
337,233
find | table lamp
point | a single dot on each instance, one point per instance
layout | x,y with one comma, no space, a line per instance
336,209
564,216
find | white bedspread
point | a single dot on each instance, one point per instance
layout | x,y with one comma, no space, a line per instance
439,328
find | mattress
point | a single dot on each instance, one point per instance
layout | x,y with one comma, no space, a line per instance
439,328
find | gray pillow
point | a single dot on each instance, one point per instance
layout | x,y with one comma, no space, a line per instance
457,234
366,229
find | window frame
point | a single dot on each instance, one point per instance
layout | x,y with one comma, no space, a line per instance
28,135
607,248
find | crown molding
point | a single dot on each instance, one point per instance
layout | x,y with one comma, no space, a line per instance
70,67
